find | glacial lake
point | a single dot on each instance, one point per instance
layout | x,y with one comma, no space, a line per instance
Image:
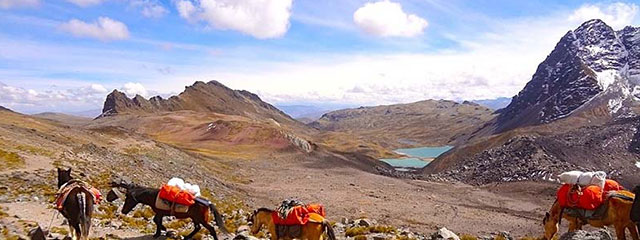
415,157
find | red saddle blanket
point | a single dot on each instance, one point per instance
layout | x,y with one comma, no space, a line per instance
63,192
588,197
299,215
176,195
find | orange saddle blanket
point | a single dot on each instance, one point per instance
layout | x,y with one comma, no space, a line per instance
176,195
64,191
588,197
299,215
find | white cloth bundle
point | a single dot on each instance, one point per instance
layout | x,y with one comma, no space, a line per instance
191,188
570,177
583,178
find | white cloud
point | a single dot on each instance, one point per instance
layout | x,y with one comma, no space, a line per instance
32,101
6,4
85,3
497,62
387,19
133,89
150,8
258,18
104,29
617,15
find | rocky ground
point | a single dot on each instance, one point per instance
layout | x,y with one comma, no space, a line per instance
611,147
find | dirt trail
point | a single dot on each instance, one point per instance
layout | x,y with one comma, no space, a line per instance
422,206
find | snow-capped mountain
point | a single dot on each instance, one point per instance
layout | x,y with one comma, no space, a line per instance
591,67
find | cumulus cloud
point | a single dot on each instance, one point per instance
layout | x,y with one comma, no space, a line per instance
387,19
496,62
617,15
133,89
258,18
150,8
104,29
22,99
6,4
85,3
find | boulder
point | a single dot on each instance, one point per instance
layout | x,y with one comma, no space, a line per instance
444,233
600,234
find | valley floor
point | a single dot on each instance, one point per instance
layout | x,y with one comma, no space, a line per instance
420,206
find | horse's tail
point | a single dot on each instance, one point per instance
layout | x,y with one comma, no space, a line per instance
85,220
218,217
329,229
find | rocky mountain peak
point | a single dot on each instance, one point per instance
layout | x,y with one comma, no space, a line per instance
212,96
590,66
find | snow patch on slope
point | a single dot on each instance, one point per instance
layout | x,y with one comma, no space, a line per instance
607,77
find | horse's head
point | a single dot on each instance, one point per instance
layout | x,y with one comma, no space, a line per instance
550,226
257,219
130,201
636,190
64,176
129,197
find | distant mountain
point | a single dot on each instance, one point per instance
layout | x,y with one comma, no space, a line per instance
593,71
495,104
63,118
91,113
4,109
421,123
303,111
211,97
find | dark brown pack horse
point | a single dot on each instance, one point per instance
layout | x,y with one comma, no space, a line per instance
198,212
77,208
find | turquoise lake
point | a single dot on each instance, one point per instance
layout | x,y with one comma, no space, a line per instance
416,157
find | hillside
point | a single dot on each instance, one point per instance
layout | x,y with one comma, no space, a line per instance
63,118
424,123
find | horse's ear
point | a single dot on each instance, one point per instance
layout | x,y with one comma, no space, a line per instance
69,170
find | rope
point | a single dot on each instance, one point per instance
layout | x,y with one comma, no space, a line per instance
51,222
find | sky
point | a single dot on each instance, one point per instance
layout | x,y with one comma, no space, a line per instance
67,55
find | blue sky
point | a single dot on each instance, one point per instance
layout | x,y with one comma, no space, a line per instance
66,55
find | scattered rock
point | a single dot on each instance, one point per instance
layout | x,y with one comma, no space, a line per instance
586,235
444,233
37,234
363,222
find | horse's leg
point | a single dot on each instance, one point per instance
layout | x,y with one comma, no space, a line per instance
157,219
72,232
633,231
196,230
620,234
574,225
212,230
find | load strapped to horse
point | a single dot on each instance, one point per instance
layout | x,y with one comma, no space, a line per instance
293,219
590,198
175,198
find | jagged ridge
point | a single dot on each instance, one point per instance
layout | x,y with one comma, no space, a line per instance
204,97
591,61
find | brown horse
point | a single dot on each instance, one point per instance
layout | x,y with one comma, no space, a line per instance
313,230
198,212
617,214
77,208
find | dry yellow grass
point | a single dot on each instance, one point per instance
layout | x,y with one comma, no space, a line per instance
10,160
